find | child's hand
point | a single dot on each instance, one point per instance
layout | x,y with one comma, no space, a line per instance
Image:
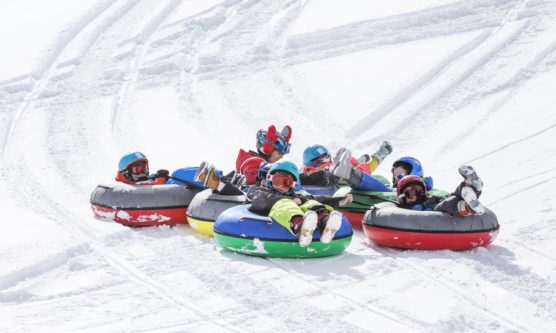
347,199
297,201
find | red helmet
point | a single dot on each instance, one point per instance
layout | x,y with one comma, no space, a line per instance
405,183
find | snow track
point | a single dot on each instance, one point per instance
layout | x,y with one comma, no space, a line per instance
186,81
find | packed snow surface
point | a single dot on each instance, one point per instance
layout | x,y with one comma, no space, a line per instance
449,82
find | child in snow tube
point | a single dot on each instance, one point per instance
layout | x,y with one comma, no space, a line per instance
301,214
318,165
343,169
412,194
271,147
133,168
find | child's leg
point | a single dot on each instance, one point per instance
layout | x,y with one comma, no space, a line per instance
283,211
329,220
449,205
462,202
369,183
228,188
315,206
319,178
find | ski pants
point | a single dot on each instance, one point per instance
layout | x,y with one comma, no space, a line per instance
370,183
450,204
283,211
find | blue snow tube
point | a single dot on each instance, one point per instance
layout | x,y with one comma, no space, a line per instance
320,190
238,229
187,174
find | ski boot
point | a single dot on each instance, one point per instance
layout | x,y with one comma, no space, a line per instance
342,164
470,200
471,178
384,150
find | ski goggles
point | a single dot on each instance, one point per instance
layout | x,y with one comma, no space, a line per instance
324,158
139,168
413,192
282,182
398,173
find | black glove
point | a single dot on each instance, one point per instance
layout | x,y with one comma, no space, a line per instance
162,173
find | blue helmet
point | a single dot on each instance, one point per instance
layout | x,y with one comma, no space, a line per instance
285,166
131,158
411,164
313,152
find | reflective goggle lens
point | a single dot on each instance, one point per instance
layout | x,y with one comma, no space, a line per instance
282,181
139,168
413,192
324,158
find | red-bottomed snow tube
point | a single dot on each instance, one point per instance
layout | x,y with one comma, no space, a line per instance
142,205
354,218
388,225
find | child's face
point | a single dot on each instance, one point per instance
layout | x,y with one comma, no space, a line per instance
139,169
275,156
413,193
398,173
282,181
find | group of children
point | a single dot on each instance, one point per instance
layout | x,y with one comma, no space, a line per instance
273,186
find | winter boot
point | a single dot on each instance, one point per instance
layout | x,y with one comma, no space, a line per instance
310,221
470,197
342,164
201,173
206,174
339,153
333,223
471,178
384,150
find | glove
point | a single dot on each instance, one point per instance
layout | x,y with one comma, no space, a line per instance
347,199
162,173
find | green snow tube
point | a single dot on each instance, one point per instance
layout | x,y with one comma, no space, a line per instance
239,230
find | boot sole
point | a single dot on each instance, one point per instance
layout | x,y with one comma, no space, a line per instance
471,177
333,223
343,163
200,174
470,198
308,226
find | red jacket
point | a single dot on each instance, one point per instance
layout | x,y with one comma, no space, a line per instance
154,181
326,166
248,163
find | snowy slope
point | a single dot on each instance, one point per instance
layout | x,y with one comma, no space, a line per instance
449,82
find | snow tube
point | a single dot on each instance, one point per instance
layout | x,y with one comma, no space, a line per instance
187,174
388,225
320,190
239,230
363,200
206,206
142,205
